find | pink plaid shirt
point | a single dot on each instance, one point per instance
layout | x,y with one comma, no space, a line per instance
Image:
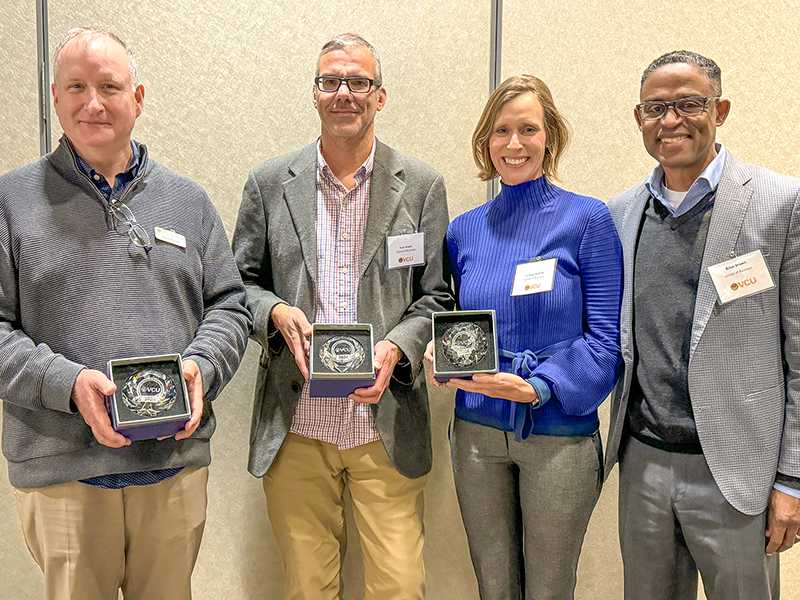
341,220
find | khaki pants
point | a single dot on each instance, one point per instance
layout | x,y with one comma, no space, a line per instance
90,541
305,500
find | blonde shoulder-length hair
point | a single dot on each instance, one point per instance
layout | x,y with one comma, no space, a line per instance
556,127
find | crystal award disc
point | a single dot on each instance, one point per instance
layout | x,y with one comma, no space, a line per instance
464,344
149,393
342,354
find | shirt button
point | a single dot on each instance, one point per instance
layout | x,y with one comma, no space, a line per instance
344,269
343,305
96,177
344,235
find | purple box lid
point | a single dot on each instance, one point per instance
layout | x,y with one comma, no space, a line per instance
336,388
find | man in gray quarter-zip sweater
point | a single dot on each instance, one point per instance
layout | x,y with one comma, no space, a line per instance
105,254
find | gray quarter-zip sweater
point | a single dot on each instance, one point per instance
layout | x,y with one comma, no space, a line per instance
74,293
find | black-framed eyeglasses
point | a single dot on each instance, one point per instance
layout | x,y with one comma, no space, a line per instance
125,222
690,106
357,85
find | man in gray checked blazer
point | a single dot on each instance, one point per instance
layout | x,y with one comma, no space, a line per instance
705,422
312,245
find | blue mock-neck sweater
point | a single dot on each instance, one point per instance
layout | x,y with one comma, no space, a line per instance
580,316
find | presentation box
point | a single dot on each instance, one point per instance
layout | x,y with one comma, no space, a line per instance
341,359
151,400
464,343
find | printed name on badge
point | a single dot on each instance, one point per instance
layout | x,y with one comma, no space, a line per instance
741,276
170,237
534,277
405,250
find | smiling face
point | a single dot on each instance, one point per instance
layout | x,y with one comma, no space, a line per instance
684,146
343,114
518,140
93,97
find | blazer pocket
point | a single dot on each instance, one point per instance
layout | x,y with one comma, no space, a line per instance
775,394
763,305
763,417
258,400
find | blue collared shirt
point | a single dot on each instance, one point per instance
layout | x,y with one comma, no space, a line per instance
705,183
121,181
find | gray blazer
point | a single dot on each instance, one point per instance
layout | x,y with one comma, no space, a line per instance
275,247
744,358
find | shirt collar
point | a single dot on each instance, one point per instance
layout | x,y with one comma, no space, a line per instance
130,172
707,182
361,175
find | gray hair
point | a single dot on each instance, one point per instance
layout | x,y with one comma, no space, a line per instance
348,40
708,66
91,33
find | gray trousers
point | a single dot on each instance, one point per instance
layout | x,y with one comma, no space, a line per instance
525,507
674,521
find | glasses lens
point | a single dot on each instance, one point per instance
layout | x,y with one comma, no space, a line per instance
121,222
359,85
328,84
651,111
139,236
690,107
126,223
122,212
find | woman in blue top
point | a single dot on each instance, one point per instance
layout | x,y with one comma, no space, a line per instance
525,445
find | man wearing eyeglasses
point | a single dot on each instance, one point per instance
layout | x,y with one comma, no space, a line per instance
314,231
105,254
706,420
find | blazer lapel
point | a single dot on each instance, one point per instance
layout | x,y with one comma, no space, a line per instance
386,189
300,191
629,232
730,205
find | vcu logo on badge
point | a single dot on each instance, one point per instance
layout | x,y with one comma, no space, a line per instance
745,282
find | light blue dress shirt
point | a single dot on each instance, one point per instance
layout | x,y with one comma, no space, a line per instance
705,183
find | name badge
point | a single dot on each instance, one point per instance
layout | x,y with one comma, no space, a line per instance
405,250
534,277
170,237
742,276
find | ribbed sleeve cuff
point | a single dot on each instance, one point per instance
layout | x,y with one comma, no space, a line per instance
57,383
542,391
207,371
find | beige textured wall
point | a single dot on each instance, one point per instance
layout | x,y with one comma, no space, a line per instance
592,55
228,85
19,112
19,145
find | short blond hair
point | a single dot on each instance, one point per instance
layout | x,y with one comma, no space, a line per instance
557,131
